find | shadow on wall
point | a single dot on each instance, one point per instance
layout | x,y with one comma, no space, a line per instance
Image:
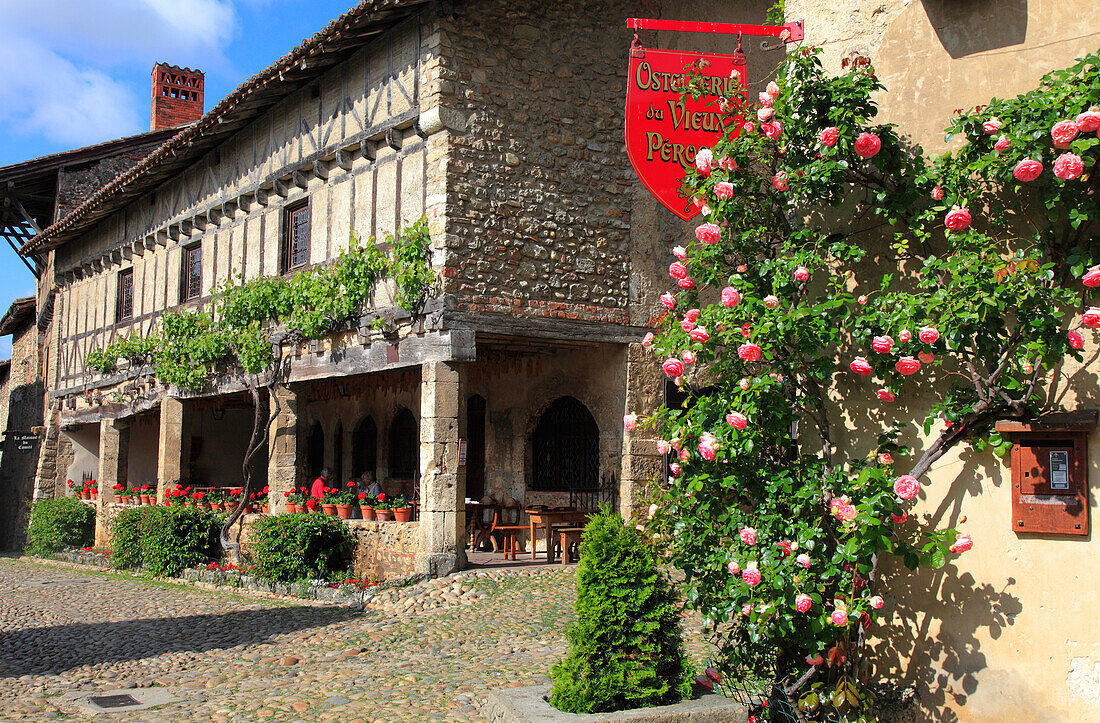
52,650
965,28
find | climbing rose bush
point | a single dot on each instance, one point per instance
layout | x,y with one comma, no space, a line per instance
835,269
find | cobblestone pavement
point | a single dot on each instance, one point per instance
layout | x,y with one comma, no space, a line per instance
425,653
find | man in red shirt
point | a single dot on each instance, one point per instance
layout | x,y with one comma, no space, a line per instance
319,484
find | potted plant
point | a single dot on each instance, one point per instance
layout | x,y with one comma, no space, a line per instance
93,489
232,499
293,498
120,492
383,510
345,500
264,497
312,505
366,505
402,510
199,499
145,496
328,501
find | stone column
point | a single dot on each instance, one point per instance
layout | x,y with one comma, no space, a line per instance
283,448
641,464
169,446
442,481
114,449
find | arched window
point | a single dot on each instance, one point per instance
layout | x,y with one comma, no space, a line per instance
338,454
404,448
315,451
475,449
566,449
364,451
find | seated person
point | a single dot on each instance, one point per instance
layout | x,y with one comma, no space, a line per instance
370,486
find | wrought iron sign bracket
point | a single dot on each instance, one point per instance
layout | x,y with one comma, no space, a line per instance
791,32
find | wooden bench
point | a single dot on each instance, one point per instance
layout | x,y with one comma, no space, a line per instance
569,537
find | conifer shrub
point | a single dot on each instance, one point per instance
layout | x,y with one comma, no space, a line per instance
289,548
625,649
59,524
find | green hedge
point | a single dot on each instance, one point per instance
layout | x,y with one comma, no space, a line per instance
289,548
625,649
59,524
164,540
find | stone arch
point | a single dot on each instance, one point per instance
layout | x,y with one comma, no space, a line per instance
364,450
404,445
565,448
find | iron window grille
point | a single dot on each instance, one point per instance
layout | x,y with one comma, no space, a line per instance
295,249
124,306
191,273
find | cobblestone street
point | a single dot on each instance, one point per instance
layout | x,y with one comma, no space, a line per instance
231,658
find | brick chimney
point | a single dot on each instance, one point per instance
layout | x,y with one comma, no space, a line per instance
177,96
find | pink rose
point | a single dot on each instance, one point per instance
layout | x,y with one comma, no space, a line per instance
829,136
772,89
803,560
730,297
801,274
707,451
1091,277
771,301
779,181
733,567
1063,132
680,252
745,384
723,189
691,315
686,283
877,602
1068,166
647,340
764,114
677,270
685,455
746,609
802,602
885,458
898,519
704,161
843,509
1091,318
668,301
904,336
773,130
727,164
937,194
687,325
868,145
687,356
929,334
839,617
737,420
907,365
652,509
748,535
860,366
906,487
957,219
673,367
882,344
699,334
784,547
861,300
1088,121
991,126
674,469
749,352
751,576
926,357
885,395
663,446
630,422
746,329
1027,170
1076,341
1002,144
708,233
749,127
962,543
815,659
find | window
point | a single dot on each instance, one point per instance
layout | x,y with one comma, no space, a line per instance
124,306
566,449
191,273
295,250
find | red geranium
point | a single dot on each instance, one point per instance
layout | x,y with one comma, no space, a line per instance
382,497
311,503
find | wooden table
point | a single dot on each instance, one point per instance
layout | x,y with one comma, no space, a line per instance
550,519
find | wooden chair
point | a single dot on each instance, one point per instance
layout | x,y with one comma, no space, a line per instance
570,539
509,527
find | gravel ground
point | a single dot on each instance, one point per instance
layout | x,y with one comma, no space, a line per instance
424,653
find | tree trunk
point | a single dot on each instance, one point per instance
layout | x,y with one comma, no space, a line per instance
261,425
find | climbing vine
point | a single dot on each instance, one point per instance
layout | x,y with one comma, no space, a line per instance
838,273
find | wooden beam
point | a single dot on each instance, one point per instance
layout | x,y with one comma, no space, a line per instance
344,159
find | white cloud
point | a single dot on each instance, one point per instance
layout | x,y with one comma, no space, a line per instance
71,70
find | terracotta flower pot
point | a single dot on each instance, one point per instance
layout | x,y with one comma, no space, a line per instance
344,511
84,494
291,508
263,508
402,514
368,512
95,494
122,499
144,499
329,509
384,515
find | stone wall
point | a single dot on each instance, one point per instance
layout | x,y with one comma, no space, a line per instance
538,187
23,414
385,550
76,183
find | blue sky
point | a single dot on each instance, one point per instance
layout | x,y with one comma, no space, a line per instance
77,72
